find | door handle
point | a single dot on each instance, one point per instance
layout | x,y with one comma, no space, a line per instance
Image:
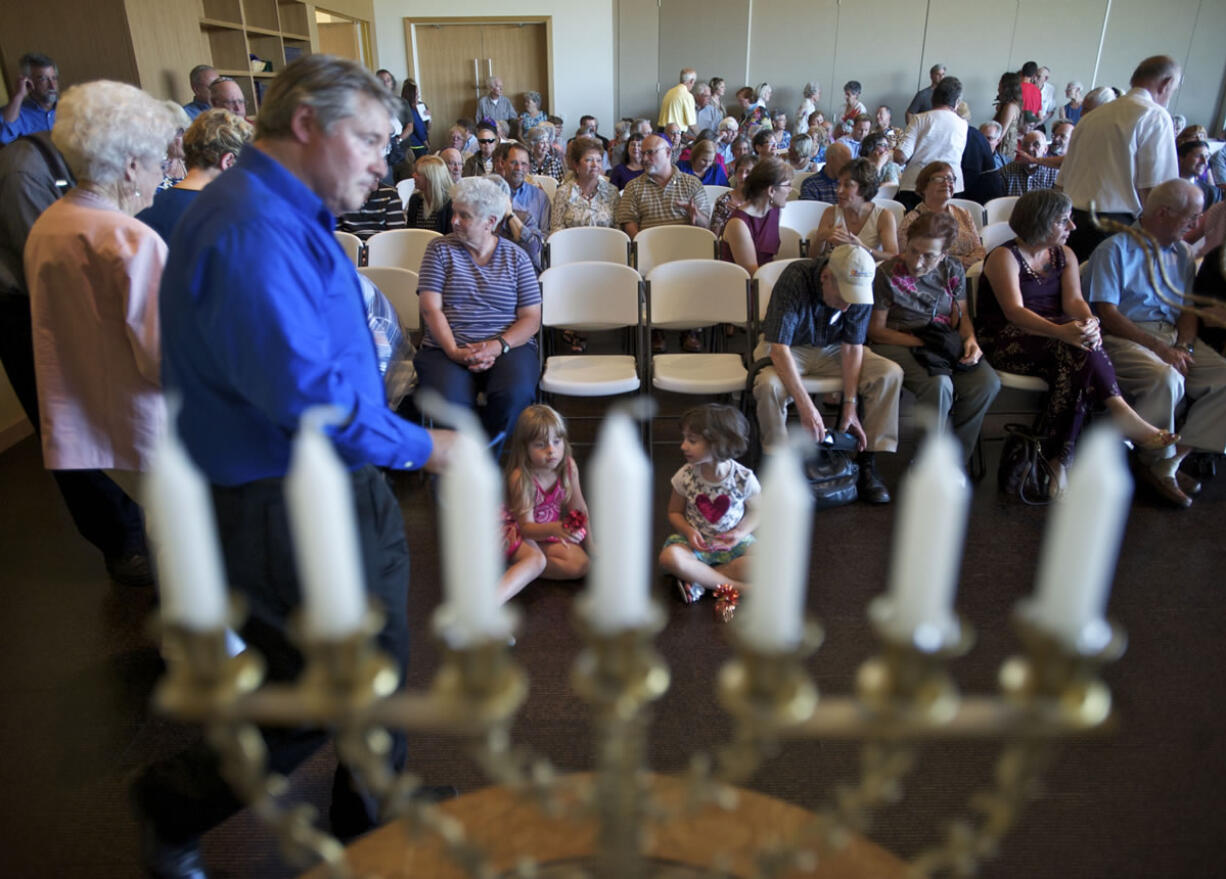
476,76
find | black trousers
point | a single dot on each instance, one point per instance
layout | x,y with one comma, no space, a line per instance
1085,237
184,796
100,509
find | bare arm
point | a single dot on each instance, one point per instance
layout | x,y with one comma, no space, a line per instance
676,518
431,303
740,242
1002,272
849,419
745,527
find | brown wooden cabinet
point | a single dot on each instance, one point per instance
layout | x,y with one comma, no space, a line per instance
274,31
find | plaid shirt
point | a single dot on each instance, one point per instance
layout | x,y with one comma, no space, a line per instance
1021,179
550,166
647,203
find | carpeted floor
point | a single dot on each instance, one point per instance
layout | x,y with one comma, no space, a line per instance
77,667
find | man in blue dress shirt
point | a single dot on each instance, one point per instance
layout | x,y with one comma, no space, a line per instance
35,95
201,77
262,319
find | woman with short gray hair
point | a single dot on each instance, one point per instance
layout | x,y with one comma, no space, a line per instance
541,157
481,305
93,272
1033,320
533,115
812,92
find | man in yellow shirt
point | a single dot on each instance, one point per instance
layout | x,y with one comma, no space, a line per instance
678,104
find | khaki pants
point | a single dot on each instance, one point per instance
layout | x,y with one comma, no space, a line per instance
1157,389
880,384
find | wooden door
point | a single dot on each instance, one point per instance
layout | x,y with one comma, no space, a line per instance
456,58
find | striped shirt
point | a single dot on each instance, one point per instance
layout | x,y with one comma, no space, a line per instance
382,211
647,203
479,302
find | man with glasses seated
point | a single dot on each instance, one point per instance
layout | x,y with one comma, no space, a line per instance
481,162
225,94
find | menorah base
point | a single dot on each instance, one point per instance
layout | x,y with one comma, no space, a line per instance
695,844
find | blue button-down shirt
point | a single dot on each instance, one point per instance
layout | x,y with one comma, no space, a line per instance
263,318
195,108
1117,274
30,119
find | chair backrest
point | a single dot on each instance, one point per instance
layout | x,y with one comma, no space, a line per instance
351,244
995,235
405,189
547,183
973,274
803,216
661,244
399,247
766,276
789,243
697,293
798,180
589,244
887,190
400,287
998,210
974,208
590,296
714,191
897,208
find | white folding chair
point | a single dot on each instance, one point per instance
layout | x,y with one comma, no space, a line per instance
405,190
897,208
994,235
587,244
590,297
547,183
798,180
803,216
661,244
998,210
790,243
696,294
887,191
974,208
714,191
400,287
351,244
399,247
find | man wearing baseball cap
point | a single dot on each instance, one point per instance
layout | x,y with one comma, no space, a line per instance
816,325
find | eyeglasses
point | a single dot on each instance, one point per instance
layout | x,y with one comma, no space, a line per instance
485,140
941,179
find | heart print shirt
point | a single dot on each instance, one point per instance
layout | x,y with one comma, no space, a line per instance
714,508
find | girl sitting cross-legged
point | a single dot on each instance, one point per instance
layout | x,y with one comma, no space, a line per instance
544,495
712,508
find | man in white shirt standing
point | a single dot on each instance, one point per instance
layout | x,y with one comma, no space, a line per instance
936,136
1121,151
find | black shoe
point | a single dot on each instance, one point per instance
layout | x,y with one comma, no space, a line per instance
870,488
163,860
130,570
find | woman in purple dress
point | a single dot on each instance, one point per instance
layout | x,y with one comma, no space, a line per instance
1033,320
751,235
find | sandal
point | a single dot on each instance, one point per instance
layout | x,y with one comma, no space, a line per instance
575,342
1159,440
727,597
690,592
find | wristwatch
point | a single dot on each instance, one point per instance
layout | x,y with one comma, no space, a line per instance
506,346
1189,347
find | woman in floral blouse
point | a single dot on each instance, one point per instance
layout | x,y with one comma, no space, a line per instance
587,198
935,184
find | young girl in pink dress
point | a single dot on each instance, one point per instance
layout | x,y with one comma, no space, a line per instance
543,492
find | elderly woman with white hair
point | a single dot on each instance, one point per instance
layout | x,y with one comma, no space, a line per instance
533,115
1071,112
812,92
541,157
481,304
93,272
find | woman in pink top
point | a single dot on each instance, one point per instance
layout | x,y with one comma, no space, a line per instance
93,272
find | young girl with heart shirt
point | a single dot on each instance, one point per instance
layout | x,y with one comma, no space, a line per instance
713,508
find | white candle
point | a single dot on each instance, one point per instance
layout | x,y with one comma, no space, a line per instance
183,532
620,480
927,551
319,495
1082,542
772,618
470,495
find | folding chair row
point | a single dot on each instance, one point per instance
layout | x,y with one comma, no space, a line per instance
652,247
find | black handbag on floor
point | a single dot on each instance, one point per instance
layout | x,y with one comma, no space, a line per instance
1024,472
832,471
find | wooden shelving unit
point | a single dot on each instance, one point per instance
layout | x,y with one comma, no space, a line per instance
275,31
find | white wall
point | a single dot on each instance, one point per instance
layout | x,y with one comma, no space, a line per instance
583,61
